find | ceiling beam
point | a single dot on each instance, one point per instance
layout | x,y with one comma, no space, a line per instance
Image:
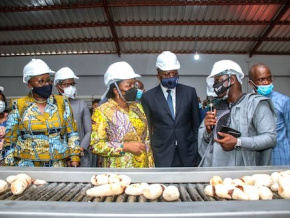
141,39
130,3
112,26
3,54
55,26
283,9
139,23
48,7
139,3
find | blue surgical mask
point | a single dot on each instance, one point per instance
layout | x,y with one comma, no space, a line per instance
139,94
265,89
170,83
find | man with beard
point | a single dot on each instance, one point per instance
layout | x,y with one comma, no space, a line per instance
241,131
173,116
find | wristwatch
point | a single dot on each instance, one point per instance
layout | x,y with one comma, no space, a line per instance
238,145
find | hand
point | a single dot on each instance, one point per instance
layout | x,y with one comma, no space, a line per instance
135,148
228,142
210,120
74,164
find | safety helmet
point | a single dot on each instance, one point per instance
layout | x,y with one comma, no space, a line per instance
220,68
64,73
119,71
35,67
1,89
167,61
116,72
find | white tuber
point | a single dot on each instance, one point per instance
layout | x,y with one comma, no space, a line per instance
153,191
3,186
171,193
265,193
106,190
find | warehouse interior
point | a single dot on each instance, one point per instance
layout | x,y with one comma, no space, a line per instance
88,36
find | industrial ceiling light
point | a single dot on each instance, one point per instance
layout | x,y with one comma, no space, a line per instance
196,56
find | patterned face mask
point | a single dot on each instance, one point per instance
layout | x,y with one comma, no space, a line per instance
170,83
219,87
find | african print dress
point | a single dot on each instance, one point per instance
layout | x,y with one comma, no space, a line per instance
112,127
36,139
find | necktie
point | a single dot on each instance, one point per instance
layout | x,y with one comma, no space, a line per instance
170,103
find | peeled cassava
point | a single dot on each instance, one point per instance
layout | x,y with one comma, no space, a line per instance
265,193
153,191
252,192
136,189
106,190
222,191
215,180
3,186
284,187
20,184
171,193
107,178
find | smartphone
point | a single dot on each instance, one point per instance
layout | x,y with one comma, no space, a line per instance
228,130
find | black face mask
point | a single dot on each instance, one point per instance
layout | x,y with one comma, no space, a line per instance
130,95
219,88
44,91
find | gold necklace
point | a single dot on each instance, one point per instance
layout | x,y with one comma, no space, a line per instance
40,102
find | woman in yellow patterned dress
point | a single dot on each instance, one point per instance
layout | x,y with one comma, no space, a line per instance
41,131
119,126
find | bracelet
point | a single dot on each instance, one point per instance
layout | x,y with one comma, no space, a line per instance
122,152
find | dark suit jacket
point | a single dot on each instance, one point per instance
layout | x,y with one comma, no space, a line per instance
165,131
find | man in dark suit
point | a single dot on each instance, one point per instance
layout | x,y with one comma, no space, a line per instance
173,116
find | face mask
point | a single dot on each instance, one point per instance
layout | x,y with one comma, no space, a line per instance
170,83
265,89
130,95
219,88
2,106
139,94
200,105
70,92
44,91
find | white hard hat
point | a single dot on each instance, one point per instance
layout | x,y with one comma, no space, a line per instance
64,73
116,72
35,67
1,89
167,61
223,67
119,71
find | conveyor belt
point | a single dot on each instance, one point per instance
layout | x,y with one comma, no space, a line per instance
64,195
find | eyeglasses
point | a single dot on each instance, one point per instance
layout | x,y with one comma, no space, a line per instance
168,74
263,80
42,82
68,84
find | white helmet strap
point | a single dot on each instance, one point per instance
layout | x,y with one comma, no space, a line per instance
119,91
